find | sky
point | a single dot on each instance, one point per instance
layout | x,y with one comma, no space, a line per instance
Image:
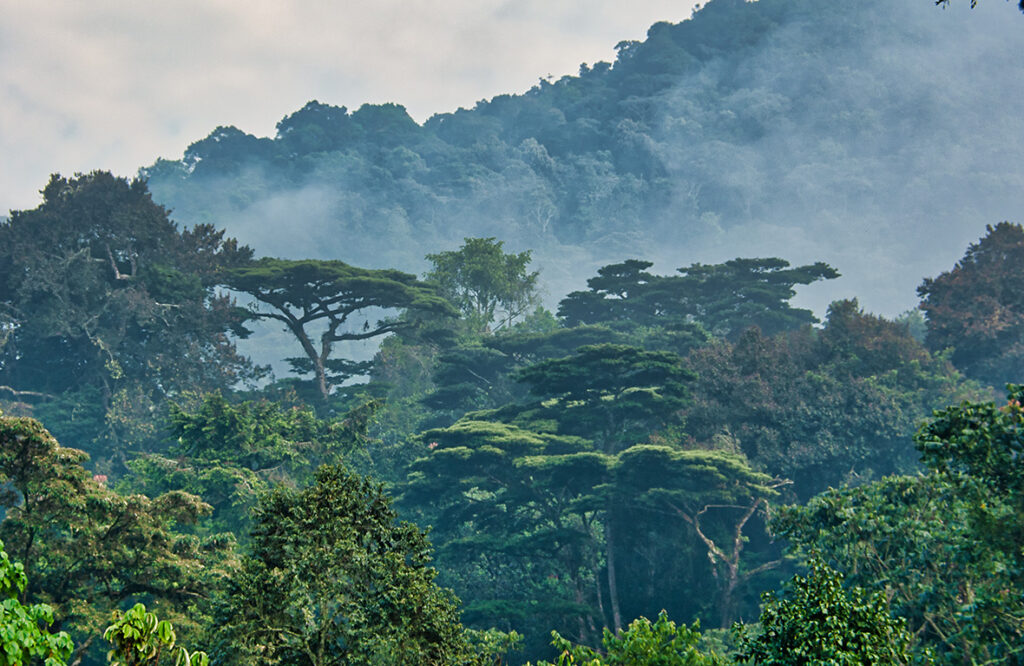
115,84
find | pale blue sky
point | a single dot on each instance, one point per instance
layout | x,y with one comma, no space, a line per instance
114,84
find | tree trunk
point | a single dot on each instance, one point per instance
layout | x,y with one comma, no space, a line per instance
613,588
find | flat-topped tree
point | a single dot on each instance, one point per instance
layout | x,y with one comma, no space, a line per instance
723,299
312,292
731,297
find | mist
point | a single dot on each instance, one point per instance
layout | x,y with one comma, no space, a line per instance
878,136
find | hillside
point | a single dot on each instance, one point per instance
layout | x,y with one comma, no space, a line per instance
876,136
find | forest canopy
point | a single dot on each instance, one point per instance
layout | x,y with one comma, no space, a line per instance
674,461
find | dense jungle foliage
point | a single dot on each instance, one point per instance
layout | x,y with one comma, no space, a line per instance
665,446
679,467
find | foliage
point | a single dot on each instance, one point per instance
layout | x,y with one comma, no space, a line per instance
821,408
508,512
334,578
724,299
611,394
228,453
642,643
104,293
87,549
976,308
479,278
141,639
328,293
480,374
24,638
728,298
818,622
534,525
714,493
944,547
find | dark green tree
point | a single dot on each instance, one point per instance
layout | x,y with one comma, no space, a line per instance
977,309
480,374
943,547
510,509
724,299
107,307
335,578
731,297
333,295
613,395
715,494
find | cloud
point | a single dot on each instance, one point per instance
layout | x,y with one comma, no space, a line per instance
114,84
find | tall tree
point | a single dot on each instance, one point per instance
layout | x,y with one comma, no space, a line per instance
977,308
485,282
335,578
104,300
716,494
509,506
333,295
724,299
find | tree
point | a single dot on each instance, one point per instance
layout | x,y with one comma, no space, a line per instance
724,299
614,395
977,310
821,408
480,374
731,297
107,308
141,639
334,578
329,293
620,293
944,547
648,308
482,280
818,623
715,493
642,643
87,549
611,395
229,453
24,635
509,506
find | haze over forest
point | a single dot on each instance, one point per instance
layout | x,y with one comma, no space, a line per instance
876,136
710,355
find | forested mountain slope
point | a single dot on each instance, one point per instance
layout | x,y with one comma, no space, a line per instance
873,135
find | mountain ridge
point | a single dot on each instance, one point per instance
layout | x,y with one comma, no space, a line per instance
845,132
